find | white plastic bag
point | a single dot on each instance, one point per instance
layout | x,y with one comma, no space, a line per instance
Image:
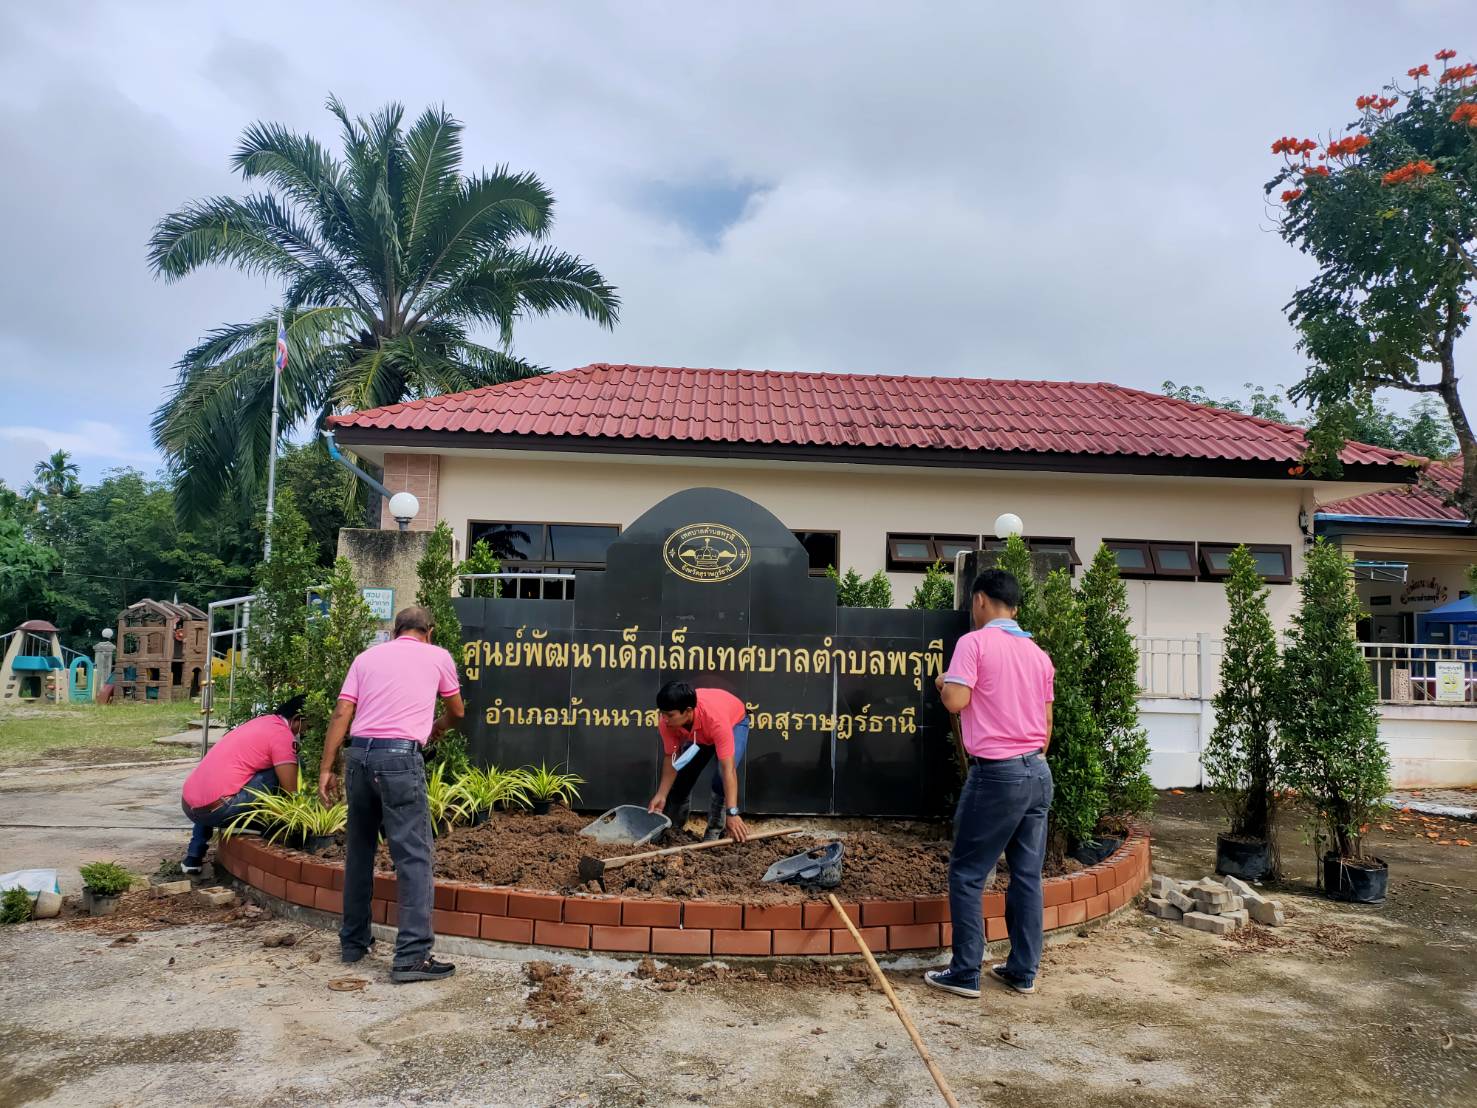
32,880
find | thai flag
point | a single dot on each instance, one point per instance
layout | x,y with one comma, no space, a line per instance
281,359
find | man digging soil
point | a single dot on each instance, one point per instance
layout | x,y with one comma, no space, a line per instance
696,726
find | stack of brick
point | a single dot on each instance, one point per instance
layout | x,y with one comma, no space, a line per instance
1218,905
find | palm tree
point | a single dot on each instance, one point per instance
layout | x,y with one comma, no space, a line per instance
56,476
389,258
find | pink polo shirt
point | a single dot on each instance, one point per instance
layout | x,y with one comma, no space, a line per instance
394,687
1011,682
239,754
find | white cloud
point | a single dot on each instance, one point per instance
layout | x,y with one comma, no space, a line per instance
93,445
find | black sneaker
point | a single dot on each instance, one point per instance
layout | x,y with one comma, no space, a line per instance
957,983
191,869
349,955
429,970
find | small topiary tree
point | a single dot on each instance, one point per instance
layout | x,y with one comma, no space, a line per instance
1242,754
1110,683
1015,559
481,560
1075,753
333,640
436,572
1333,755
854,591
935,593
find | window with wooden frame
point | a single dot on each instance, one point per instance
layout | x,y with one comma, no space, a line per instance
1150,558
543,548
1047,553
915,553
1273,561
823,548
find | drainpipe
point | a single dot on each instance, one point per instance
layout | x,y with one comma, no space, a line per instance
403,506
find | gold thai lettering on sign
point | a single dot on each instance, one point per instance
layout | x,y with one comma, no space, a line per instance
846,725
707,552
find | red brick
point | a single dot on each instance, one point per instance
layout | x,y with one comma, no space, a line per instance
1072,913
802,942
994,928
255,875
1083,886
874,937
772,917
1097,906
379,910
329,900
506,929
887,913
445,897
993,904
298,893
934,910
589,909
678,940
484,902
1106,879
392,913
535,905
915,936
385,887
703,914
455,923
817,913
1050,920
575,936
273,885
247,850
285,866
1117,898
336,878
651,913
316,873
741,942
636,939
1056,891
946,936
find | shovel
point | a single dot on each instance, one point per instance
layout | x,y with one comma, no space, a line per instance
821,866
628,823
593,869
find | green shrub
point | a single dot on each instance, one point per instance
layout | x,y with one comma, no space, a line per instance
16,906
481,560
106,878
544,783
854,591
447,799
935,593
436,572
290,817
332,642
486,789
1015,559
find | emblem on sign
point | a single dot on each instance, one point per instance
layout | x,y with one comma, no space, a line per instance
707,552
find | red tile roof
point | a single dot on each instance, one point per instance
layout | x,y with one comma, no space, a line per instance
1414,503
756,407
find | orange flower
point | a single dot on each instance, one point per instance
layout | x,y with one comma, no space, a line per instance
1419,71
1316,171
1445,55
1421,168
1365,101
1290,195
1466,113
1347,147
1458,73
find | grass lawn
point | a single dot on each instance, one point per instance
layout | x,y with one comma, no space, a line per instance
82,733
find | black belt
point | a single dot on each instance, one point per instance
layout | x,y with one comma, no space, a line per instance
397,746
1024,758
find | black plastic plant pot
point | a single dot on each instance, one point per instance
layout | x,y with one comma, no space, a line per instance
317,844
99,904
1360,881
1248,859
541,807
479,817
1093,851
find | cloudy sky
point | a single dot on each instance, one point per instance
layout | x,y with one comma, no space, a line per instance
1066,191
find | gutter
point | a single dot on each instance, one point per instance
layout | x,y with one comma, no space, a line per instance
1391,521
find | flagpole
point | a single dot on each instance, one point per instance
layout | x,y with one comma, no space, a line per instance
277,360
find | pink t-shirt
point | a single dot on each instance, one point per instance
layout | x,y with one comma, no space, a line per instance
394,687
712,723
248,749
1011,678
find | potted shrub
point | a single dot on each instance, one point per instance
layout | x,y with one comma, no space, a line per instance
1241,755
102,884
542,786
487,789
447,800
296,819
15,906
1332,752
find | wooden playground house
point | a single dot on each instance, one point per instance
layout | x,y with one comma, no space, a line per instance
162,651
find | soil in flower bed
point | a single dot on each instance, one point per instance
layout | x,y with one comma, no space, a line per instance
543,852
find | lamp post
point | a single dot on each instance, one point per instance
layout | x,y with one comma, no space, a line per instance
404,506
1007,524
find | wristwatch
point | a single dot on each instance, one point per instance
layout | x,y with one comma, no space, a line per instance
731,811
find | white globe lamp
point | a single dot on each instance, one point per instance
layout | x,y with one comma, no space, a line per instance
403,506
1008,524
107,632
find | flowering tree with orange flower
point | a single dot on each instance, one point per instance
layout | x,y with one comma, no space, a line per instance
1389,214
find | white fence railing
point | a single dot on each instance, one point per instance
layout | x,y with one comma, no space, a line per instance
1181,668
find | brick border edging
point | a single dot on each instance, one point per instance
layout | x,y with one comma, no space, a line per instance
687,927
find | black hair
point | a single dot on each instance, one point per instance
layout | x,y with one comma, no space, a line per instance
291,708
676,696
999,586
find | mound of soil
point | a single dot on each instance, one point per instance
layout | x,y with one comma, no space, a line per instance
810,974
554,997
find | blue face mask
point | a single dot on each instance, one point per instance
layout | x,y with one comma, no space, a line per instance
1010,627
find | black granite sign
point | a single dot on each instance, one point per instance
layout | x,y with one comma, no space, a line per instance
710,588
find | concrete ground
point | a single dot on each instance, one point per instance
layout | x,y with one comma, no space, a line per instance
1344,1006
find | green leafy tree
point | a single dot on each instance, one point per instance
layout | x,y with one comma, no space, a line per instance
1076,751
855,591
436,572
1110,683
1388,215
389,258
1260,402
333,640
1015,559
56,476
935,592
1333,755
1242,755
25,569
481,560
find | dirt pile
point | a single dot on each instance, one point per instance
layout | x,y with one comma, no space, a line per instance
800,974
139,910
555,996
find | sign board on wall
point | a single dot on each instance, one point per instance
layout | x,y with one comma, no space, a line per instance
381,602
1451,681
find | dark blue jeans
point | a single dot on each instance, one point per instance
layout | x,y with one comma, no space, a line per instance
678,799
1002,809
206,822
387,789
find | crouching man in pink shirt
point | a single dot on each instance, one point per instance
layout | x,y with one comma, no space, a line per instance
999,683
387,707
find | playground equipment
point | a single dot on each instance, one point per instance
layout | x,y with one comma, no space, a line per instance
37,667
162,651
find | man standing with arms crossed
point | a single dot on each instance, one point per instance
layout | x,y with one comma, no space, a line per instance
999,683
388,702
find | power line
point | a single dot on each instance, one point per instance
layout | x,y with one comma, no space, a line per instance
148,580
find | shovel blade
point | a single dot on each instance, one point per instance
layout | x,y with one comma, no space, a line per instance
592,869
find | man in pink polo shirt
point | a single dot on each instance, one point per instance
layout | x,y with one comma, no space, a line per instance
999,683
388,701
